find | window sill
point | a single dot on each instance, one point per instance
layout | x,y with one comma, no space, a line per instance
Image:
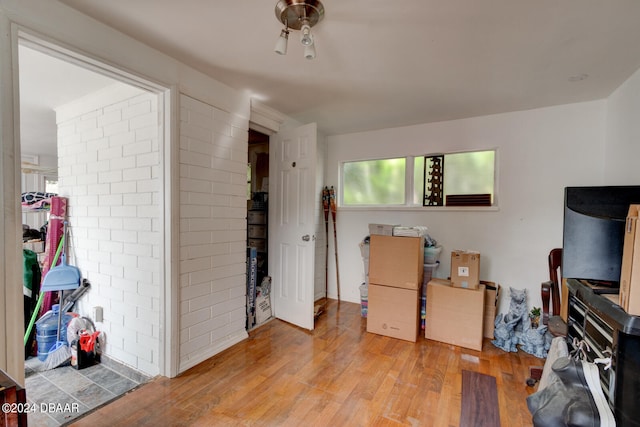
422,208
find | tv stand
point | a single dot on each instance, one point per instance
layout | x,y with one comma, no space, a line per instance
606,327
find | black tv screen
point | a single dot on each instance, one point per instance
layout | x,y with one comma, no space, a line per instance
593,231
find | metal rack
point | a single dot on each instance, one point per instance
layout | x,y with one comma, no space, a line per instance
605,326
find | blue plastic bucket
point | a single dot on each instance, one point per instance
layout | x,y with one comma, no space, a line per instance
47,331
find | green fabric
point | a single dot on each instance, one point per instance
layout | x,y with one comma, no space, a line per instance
30,259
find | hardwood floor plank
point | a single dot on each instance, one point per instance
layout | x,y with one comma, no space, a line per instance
479,400
336,375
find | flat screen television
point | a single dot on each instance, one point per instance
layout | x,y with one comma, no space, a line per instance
593,231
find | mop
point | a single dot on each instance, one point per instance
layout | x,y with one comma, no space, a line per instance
60,352
60,278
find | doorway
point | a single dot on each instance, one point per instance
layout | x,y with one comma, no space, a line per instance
258,280
105,140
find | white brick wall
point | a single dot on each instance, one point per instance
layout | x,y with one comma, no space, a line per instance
108,166
213,164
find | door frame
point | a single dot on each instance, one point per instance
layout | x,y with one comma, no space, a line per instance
10,157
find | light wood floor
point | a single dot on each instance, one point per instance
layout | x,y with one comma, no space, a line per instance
337,375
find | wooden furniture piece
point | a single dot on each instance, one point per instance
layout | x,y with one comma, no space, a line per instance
13,399
550,291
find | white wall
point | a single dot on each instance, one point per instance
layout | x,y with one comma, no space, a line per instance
109,169
539,153
623,134
213,208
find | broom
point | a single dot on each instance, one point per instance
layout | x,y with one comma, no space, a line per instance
60,352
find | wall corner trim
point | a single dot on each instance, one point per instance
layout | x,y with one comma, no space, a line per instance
264,118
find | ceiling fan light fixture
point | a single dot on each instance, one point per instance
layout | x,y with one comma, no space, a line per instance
306,38
299,15
281,43
310,51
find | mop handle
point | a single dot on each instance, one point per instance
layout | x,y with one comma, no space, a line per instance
59,315
64,255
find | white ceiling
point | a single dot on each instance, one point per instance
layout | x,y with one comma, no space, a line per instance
47,83
393,63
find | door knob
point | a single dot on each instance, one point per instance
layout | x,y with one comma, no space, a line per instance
306,237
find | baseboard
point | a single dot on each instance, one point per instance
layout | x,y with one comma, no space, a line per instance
212,351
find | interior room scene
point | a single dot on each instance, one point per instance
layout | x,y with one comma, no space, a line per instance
339,213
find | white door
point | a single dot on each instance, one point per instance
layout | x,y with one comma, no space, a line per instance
292,224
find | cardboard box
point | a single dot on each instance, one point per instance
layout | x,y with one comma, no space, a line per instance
396,261
455,315
393,312
257,217
252,277
630,269
263,309
491,297
381,229
257,231
465,269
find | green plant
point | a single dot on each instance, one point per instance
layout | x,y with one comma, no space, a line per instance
535,312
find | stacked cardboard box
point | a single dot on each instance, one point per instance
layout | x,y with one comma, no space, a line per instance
456,308
491,297
630,270
382,229
396,269
455,315
465,269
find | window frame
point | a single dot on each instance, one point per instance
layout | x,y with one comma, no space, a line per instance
410,184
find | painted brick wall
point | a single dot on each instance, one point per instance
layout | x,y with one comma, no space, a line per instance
213,186
109,165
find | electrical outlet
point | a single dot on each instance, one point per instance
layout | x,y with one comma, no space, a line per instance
98,314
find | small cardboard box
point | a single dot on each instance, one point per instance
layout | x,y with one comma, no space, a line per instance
257,217
491,297
630,269
257,231
263,309
393,312
455,315
465,269
382,229
396,261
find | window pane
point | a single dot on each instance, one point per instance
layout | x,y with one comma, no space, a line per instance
469,173
374,182
418,179
51,185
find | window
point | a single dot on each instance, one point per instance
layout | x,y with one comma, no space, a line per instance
452,179
457,179
374,182
51,184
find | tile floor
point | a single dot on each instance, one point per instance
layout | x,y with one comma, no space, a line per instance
60,395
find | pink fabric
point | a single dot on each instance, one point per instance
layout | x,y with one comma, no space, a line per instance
57,217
